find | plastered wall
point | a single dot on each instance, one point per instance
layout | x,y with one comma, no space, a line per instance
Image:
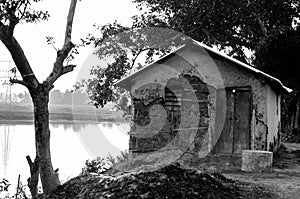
218,74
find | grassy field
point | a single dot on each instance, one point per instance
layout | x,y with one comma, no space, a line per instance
59,113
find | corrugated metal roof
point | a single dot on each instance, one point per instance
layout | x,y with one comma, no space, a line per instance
209,49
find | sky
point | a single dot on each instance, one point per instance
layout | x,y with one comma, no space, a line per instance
32,37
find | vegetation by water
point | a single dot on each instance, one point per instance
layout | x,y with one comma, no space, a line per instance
21,191
60,113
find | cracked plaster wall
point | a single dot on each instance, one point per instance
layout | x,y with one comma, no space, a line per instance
273,118
217,73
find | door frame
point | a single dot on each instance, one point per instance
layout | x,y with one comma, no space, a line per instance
241,89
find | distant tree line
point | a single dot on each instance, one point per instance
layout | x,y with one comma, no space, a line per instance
58,97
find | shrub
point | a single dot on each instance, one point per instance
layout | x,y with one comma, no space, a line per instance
100,165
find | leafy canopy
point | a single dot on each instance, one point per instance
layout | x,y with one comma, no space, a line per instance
20,10
236,25
122,48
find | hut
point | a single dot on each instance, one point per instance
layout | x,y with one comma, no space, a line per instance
197,102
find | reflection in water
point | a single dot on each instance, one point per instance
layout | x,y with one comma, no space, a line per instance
5,146
69,150
70,126
107,125
79,127
100,140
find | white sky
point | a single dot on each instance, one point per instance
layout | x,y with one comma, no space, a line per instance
32,37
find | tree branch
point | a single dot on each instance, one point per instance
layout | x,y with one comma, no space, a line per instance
68,68
261,25
228,41
70,19
24,11
58,68
20,61
16,81
2,30
58,65
10,16
13,21
136,56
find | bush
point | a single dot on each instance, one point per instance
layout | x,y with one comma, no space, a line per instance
21,192
100,165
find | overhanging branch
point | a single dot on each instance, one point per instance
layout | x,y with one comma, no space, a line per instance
136,56
17,81
62,54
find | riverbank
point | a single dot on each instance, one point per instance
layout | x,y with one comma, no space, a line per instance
60,114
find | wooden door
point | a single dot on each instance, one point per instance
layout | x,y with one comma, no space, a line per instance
235,134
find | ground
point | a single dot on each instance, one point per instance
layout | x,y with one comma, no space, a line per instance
175,181
284,178
172,181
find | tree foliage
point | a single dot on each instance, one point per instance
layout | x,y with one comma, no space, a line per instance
100,165
122,48
15,11
236,25
20,194
268,29
279,56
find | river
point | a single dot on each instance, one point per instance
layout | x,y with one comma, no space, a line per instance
71,146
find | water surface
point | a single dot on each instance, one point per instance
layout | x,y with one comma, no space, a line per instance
71,146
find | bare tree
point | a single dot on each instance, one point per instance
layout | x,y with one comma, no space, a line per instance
11,13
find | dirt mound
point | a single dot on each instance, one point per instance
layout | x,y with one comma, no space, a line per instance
169,182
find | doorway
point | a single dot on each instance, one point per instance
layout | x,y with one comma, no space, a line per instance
236,131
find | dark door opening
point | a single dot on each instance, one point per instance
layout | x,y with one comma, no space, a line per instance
235,134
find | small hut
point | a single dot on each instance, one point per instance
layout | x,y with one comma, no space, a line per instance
203,103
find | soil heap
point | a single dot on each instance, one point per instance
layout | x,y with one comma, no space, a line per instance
171,182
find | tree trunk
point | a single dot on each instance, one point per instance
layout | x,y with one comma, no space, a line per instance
34,176
49,178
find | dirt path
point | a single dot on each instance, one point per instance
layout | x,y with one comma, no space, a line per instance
285,185
283,179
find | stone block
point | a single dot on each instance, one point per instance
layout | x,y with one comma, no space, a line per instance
256,160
